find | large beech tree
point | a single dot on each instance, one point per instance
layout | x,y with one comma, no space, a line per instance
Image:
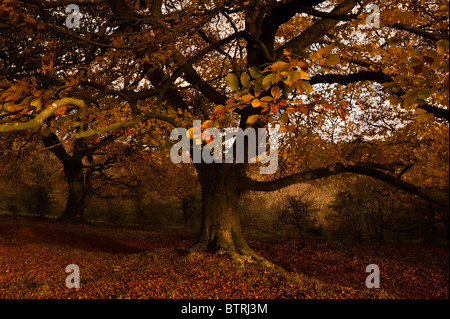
350,96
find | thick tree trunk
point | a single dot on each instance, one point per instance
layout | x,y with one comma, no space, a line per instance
80,192
78,178
220,229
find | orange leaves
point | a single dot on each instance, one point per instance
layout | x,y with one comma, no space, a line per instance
61,111
422,73
252,119
267,81
36,103
245,79
207,124
324,56
219,111
264,89
128,131
341,110
328,106
274,108
423,116
285,118
442,46
14,92
121,262
333,60
295,76
47,63
275,92
26,95
341,114
203,134
256,103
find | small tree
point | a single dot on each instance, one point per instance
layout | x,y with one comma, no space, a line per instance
299,213
347,216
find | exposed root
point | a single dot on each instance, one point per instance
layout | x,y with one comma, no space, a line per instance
248,256
241,257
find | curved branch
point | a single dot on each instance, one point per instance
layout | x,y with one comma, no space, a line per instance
40,118
418,31
121,124
328,15
192,76
375,76
437,196
379,77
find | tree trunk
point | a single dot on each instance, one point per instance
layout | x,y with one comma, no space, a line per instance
80,191
184,207
220,229
78,179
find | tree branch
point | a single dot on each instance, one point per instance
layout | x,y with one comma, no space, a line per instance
316,31
144,115
327,15
53,143
375,76
191,75
379,77
40,118
437,196
418,31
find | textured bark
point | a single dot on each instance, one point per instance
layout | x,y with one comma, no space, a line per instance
220,229
78,178
80,192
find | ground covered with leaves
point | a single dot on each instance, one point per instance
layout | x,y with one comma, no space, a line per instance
125,262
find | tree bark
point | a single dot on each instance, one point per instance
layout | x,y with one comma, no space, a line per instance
80,191
220,229
79,179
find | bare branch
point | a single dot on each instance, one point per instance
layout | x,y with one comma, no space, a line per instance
437,196
418,31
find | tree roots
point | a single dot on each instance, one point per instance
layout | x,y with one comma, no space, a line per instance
240,254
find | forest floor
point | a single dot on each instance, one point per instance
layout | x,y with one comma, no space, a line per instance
127,262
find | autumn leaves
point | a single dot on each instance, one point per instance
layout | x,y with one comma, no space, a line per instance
280,86
279,89
211,146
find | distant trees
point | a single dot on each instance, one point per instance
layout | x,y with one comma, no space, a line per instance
28,180
366,211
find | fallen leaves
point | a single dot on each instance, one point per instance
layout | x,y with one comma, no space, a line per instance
119,262
343,266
